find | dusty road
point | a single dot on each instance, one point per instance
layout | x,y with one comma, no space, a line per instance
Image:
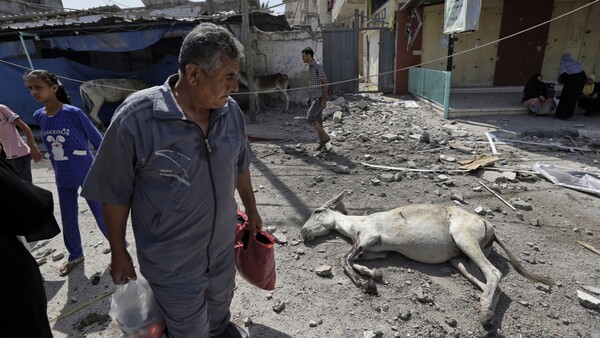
291,180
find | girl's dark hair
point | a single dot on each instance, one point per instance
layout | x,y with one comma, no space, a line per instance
51,79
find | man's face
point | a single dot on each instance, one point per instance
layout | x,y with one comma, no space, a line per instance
305,58
214,89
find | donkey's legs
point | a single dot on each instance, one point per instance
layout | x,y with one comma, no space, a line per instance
469,270
287,99
363,270
367,284
469,245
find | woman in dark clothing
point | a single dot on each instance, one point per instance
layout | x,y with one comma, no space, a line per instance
24,210
572,76
535,96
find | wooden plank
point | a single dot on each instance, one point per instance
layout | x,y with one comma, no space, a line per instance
589,247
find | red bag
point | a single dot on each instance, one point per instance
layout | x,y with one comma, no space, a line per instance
254,257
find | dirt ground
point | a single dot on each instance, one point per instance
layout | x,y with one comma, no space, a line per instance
291,179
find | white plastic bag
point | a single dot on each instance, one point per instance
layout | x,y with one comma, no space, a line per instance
134,308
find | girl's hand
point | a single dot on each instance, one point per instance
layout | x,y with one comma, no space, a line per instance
35,154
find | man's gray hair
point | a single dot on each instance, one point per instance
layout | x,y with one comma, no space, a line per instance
205,45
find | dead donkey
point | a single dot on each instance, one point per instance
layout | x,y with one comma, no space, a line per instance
426,233
269,84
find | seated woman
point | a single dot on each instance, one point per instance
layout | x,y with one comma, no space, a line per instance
535,96
589,96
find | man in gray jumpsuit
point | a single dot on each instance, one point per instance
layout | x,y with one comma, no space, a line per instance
173,156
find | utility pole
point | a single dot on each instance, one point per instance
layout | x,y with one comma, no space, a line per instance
211,7
247,42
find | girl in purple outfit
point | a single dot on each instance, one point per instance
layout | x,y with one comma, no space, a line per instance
66,131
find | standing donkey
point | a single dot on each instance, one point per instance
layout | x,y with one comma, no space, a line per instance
269,84
426,233
95,92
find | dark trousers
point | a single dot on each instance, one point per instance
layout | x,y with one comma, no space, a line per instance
572,87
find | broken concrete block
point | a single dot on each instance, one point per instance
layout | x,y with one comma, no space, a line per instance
447,158
330,110
522,205
387,177
363,137
455,196
492,176
362,104
588,300
510,176
323,270
341,169
460,147
390,137
337,117
479,211
592,289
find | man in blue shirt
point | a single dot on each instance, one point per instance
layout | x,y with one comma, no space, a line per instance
174,155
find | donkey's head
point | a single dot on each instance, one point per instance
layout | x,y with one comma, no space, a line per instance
323,219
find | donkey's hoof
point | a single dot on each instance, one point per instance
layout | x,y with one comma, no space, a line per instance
369,286
486,318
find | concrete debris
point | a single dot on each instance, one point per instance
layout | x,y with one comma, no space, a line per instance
323,270
390,137
510,176
592,289
279,306
280,238
460,147
521,205
373,334
447,158
341,169
492,176
479,211
456,196
588,300
337,117
330,110
387,177
363,138
58,257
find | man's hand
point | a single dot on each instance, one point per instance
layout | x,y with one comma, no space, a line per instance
254,221
121,267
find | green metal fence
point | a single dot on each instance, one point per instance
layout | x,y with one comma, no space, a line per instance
433,85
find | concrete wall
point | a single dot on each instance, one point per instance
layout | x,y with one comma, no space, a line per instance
475,68
280,52
578,34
